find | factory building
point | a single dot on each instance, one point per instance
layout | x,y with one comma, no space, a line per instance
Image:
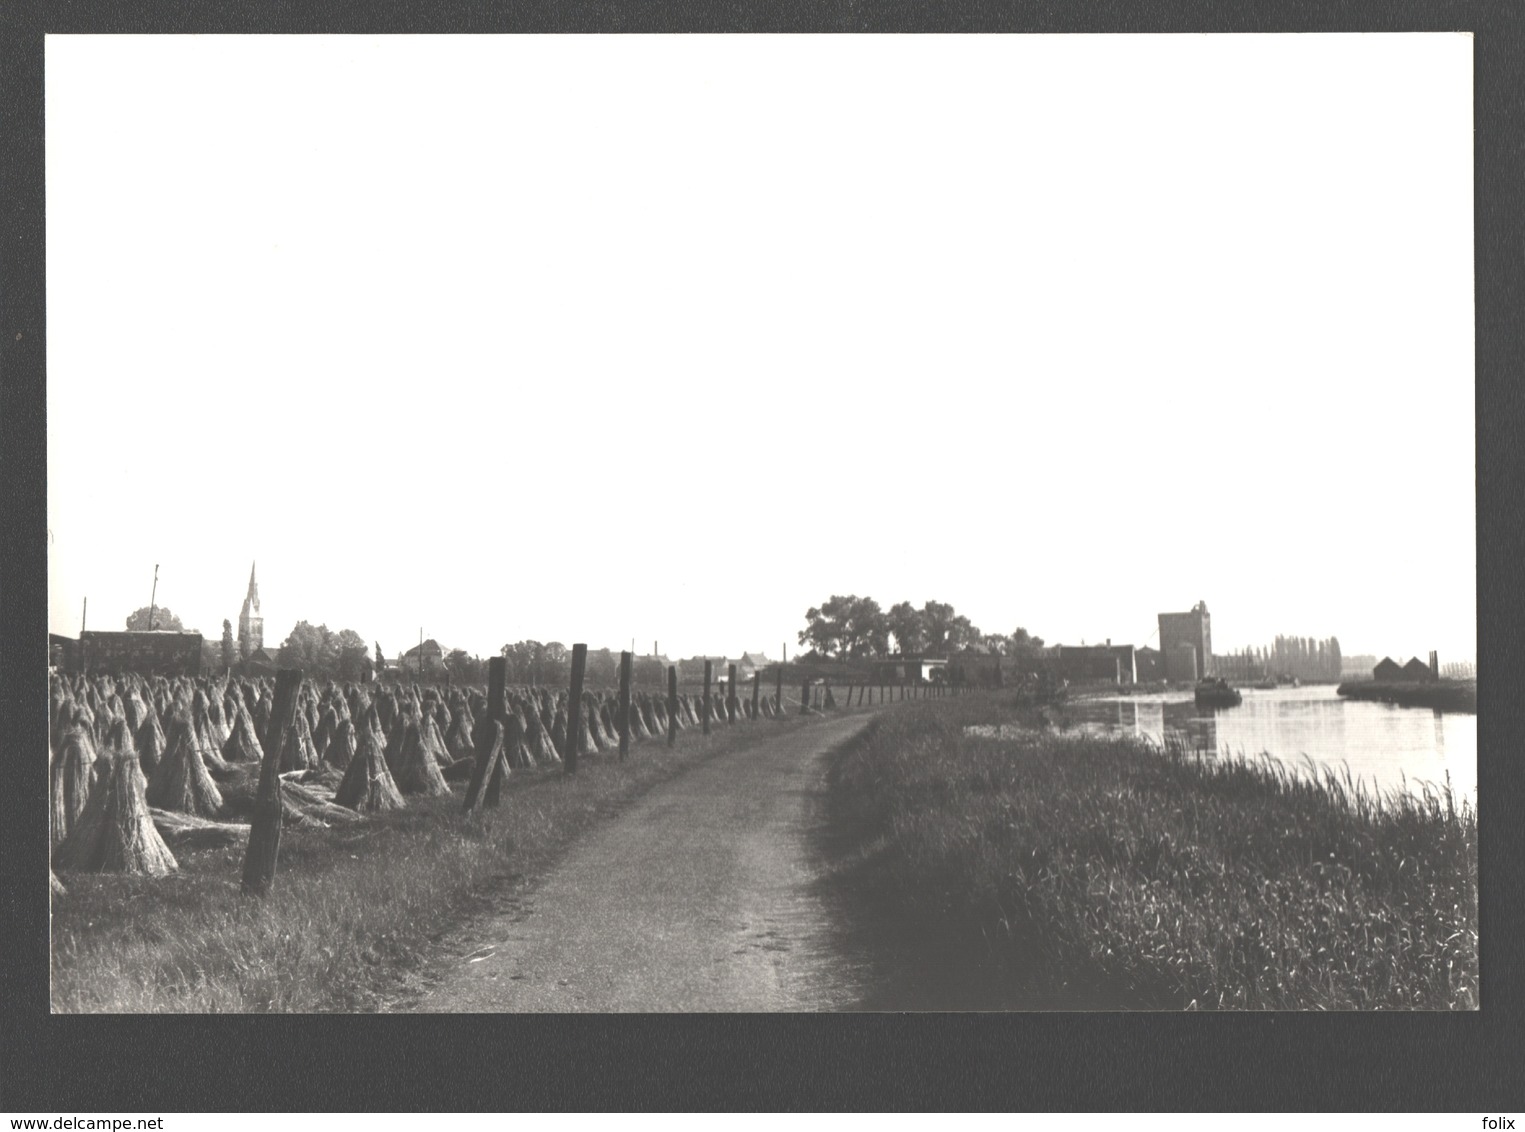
1180,632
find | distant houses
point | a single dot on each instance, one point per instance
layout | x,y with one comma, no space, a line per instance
1416,671
263,662
691,669
1108,663
750,664
423,658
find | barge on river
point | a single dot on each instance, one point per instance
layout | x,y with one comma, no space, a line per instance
1216,692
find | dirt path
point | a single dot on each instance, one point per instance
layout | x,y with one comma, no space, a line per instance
700,897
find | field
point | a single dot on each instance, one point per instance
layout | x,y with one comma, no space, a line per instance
1108,874
358,897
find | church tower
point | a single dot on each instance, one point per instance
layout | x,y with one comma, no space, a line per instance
251,626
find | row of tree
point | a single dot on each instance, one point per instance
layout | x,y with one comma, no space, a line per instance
318,651
1303,657
849,627
315,649
530,662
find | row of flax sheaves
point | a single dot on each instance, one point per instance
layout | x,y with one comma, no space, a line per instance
139,764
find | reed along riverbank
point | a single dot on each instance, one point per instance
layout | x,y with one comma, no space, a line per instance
1101,873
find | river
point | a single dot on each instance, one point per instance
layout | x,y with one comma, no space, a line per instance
1381,744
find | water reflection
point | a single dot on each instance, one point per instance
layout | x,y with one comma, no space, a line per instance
1381,744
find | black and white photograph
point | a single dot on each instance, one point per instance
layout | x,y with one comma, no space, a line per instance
761,524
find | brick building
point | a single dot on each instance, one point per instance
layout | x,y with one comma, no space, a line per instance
1116,664
157,652
1180,630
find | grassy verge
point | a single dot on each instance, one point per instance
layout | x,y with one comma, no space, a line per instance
1106,874
355,907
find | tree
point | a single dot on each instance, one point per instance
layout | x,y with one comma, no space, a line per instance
936,617
463,667
996,643
351,661
823,630
868,631
381,661
163,619
962,633
227,643
530,662
904,621
602,669
555,663
310,648
946,630
846,626
1022,643
521,662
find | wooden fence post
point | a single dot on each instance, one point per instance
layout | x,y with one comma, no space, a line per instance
778,694
625,661
732,700
574,707
512,737
672,704
756,692
489,745
265,825
708,672
805,696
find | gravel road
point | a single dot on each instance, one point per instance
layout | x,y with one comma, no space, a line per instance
699,897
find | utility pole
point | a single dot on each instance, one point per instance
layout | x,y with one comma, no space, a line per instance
82,611
152,598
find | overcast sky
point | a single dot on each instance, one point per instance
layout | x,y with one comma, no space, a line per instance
669,338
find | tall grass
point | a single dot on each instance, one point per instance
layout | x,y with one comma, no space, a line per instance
1109,873
356,909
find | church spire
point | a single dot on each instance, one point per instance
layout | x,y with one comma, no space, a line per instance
251,601
251,626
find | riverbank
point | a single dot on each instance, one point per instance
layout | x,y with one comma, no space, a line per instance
1441,695
357,908
1100,873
